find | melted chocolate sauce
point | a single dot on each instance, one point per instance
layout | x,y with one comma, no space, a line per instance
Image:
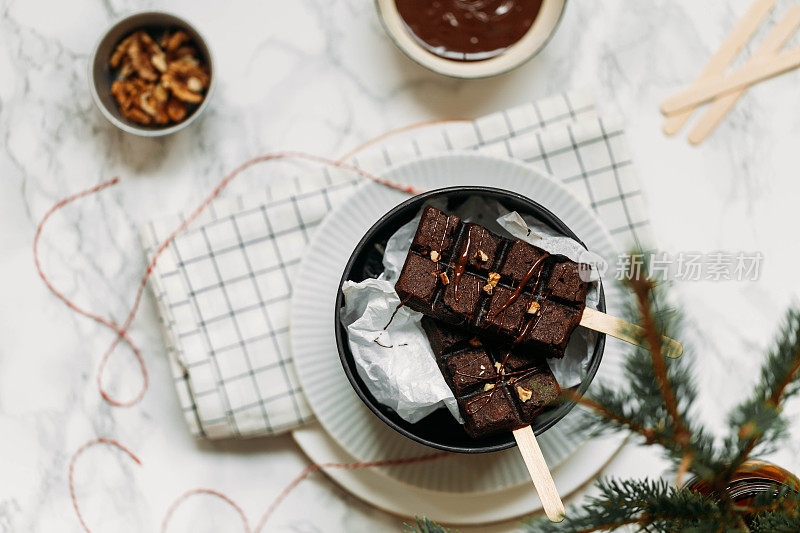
396,309
376,341
531,324
468,30
461,264
528,326
536,266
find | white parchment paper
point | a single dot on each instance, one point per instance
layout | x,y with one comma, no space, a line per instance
397,363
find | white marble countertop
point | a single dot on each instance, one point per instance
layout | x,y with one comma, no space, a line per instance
322,77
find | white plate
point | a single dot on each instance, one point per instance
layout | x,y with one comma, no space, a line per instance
354,427
451,508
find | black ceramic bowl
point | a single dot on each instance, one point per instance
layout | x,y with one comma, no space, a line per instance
439,429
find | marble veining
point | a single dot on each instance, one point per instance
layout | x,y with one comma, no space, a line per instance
322,77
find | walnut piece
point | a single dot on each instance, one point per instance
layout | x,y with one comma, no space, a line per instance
523,393
176,109
129,95
185,81
488,386
481,255
534,308
492,281
155,81
444,278
435,256
500,368
173,42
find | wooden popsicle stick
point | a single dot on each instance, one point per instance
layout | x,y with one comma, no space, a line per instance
780,63
540,474
625,331
727,52
722,105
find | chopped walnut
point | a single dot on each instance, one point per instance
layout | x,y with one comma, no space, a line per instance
155,80
523,393
148,104
492,281
130,94
488,386
444,278
173,42
185,81
500,368
435,256
120,51
534,308
141,51
481,255
176,109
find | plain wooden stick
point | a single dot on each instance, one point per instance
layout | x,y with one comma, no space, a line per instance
764,69
727,52
540,474
722,105
625,331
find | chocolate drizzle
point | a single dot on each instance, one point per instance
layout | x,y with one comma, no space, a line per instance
460,373
536,266
444,232
461,264
396,309
376,341
529,326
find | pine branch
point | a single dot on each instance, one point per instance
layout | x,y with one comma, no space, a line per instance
617,416
424,525
656,403
757,423
781,516
639,405
643,290
645,504
777,522
784,500
779,373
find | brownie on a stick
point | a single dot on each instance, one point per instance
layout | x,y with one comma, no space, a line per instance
497,389
465,275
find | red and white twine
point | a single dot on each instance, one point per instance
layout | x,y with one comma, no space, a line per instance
285,492
121,331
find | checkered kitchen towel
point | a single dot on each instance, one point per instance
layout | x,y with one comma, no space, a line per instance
223,289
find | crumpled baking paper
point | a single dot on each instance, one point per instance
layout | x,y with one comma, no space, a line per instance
396,362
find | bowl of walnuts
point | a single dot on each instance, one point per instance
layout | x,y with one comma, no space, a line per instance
151,74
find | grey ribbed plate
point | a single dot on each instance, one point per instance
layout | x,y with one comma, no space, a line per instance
338,408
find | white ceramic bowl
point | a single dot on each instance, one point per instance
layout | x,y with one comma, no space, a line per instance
531,43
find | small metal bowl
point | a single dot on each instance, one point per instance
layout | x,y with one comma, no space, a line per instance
439,429
531,43
101,76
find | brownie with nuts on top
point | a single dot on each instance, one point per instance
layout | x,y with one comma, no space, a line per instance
465,275
497,388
